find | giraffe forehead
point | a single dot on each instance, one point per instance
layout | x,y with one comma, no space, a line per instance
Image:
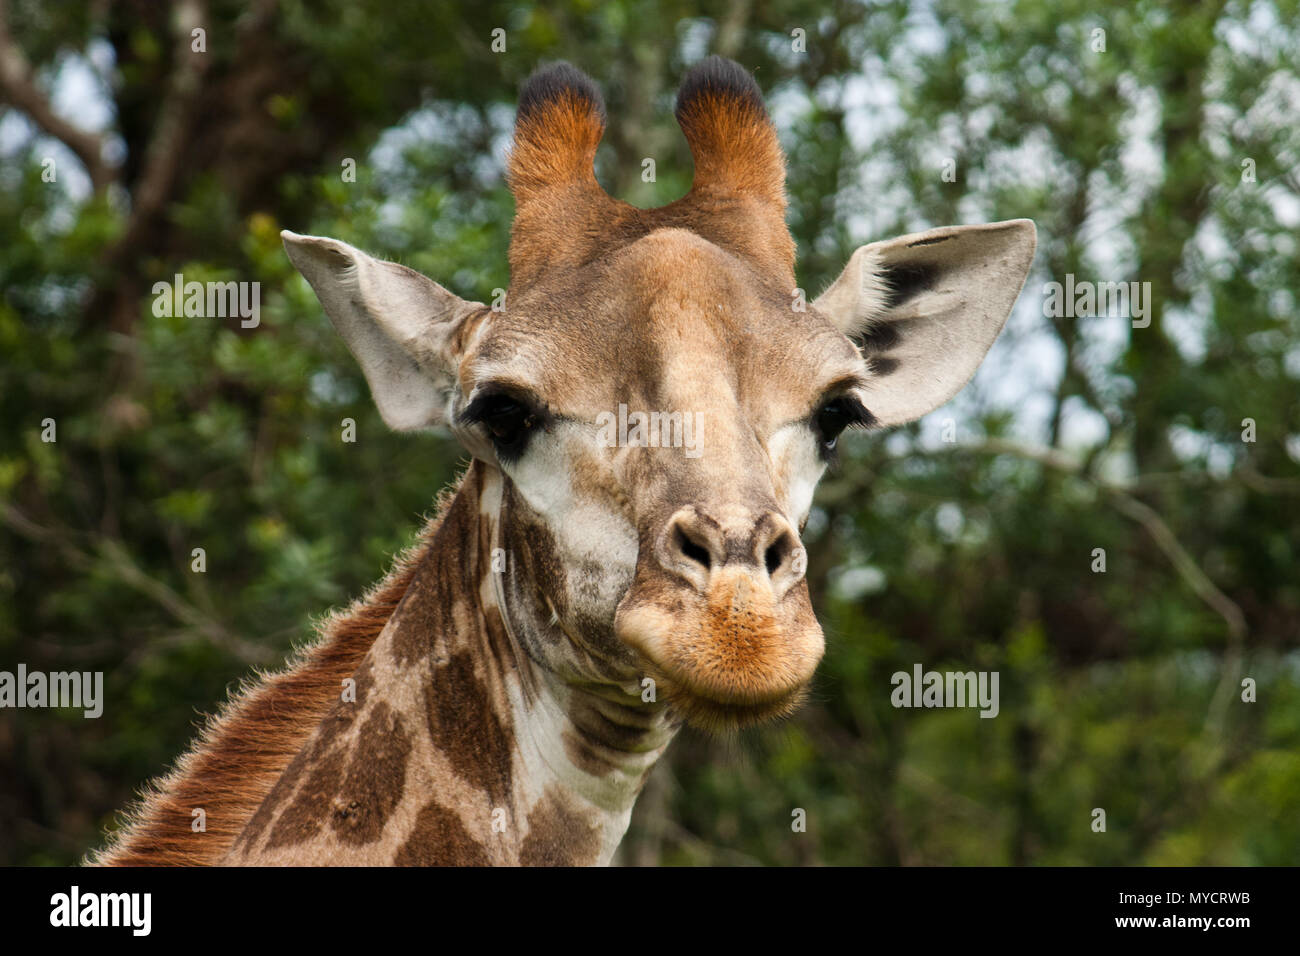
671,322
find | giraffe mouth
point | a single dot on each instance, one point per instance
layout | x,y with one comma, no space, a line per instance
731,659
712,714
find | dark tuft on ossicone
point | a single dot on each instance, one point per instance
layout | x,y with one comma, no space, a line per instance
550,83
717,76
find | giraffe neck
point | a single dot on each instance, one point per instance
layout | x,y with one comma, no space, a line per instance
451,744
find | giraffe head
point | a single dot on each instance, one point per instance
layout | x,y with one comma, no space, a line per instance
657,399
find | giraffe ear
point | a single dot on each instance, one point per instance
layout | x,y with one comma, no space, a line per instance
925,308
404,329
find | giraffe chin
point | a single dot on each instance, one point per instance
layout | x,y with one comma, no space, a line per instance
720,717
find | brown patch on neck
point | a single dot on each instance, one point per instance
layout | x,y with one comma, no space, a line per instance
440,839
302,819
503,649
464,725
246,748
439,663
559,835
370,790
376,778
533,545
429,608
442,628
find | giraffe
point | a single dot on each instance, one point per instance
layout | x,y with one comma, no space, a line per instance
598,577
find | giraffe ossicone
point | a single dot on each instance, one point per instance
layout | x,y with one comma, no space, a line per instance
519,672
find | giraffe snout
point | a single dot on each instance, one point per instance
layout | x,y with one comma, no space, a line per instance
720,615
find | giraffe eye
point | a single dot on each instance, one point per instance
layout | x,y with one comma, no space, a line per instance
507,421
833,417
508,424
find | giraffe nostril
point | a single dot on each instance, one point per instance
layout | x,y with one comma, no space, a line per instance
696,547
772,558
692,550
775,554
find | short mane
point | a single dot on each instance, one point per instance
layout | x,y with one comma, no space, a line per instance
242,750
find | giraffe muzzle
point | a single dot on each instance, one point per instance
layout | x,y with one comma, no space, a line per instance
721,618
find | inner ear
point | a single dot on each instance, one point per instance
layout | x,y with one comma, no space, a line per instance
406,331
906,281
924,309
876,337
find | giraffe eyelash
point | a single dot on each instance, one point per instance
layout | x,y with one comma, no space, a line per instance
834,415
508,418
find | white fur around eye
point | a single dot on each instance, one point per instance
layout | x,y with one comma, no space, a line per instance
797,466
586,532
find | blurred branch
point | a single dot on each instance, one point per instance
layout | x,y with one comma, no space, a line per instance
1244,472
18,88
1140,512
1253,480
114,557
1165,539
115,301
731,29
1185,564
1205,589
163,154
